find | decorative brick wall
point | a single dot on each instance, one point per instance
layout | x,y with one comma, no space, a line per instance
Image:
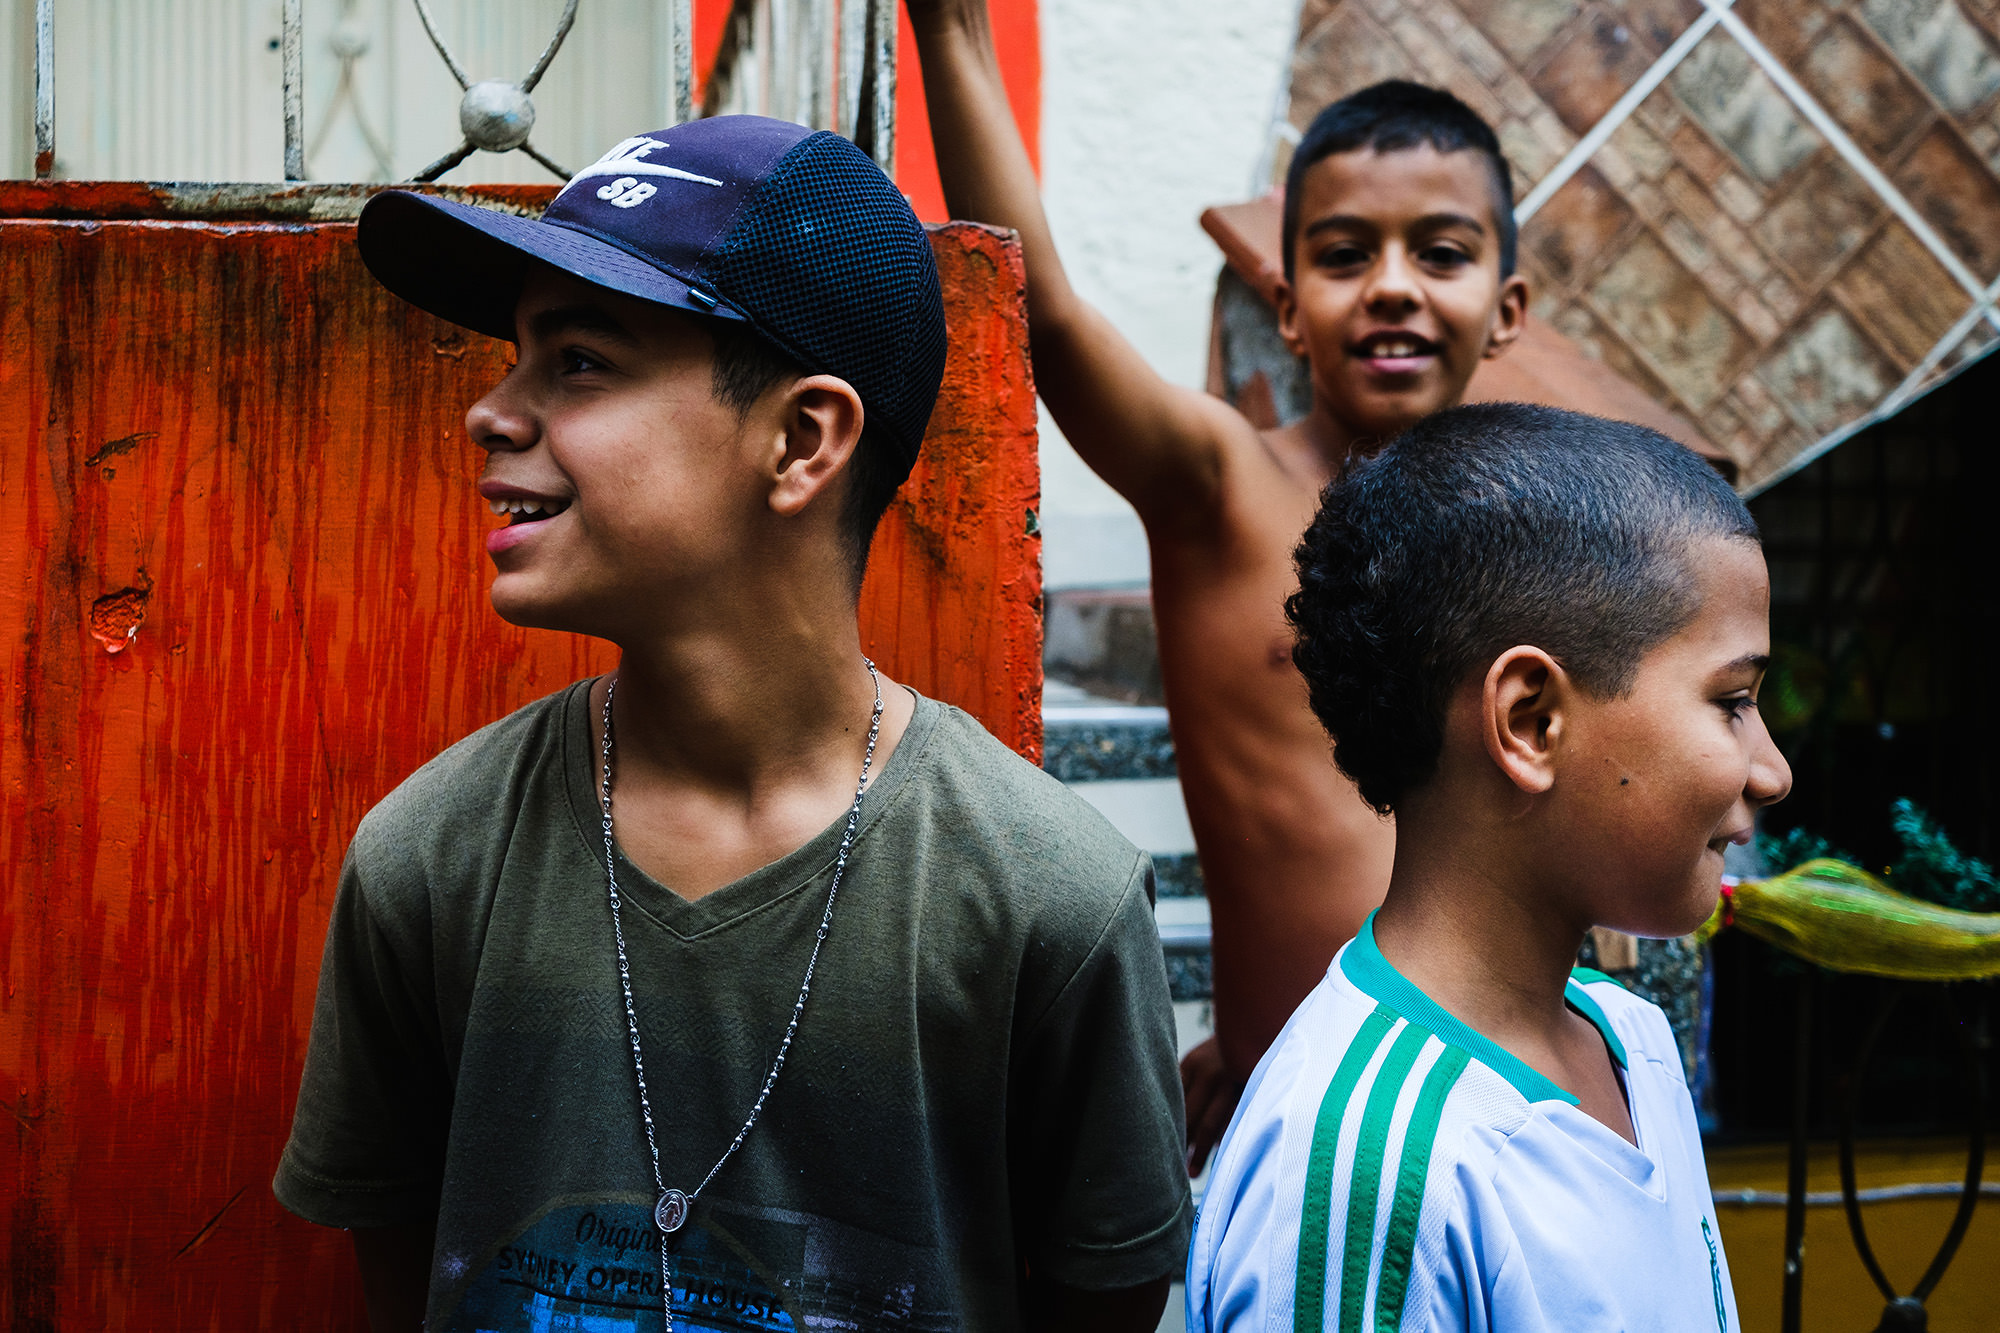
1781,218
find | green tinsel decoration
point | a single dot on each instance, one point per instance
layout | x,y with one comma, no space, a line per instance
1796,846
1930,867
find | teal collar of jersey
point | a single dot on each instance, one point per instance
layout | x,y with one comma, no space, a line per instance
1363,964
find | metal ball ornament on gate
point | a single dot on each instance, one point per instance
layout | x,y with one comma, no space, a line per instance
496,115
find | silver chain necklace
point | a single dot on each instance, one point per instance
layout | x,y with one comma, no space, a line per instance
670,1214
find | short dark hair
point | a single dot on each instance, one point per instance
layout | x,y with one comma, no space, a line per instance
747,366
1392,117
1479,528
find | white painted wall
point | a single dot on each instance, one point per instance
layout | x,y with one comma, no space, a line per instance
1151,111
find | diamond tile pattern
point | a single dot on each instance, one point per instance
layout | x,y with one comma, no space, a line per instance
1717,249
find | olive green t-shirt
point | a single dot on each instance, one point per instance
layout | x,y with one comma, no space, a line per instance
983,1082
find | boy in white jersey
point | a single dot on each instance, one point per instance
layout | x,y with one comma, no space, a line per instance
1538,638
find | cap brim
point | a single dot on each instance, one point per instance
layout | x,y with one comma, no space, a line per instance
465,264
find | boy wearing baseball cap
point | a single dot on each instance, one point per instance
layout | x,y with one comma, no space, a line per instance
743,987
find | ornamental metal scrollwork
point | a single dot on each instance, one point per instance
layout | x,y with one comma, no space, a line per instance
496,116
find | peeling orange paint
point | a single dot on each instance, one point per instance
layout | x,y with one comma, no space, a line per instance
218,432
115,617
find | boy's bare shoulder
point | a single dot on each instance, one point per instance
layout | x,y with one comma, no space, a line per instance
1267,478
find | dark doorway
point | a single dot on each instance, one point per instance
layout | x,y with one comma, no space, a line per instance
1885,596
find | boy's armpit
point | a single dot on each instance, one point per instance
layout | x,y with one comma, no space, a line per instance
395,1264
1172,451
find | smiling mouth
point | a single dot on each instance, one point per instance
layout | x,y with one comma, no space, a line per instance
1721,845
1395,348
527,511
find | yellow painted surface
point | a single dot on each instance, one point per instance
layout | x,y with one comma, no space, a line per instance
1839,1296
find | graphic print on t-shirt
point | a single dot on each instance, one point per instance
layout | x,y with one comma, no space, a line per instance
595,1268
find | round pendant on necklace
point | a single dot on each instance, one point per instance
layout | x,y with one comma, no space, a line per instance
670,1214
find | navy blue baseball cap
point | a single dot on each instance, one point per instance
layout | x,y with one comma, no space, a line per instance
793,232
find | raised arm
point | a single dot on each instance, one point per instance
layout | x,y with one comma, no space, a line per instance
1161,446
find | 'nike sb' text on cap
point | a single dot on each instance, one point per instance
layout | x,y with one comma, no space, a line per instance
795,232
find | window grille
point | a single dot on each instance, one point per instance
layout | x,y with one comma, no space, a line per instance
830,64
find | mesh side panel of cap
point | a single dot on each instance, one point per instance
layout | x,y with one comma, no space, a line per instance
829,261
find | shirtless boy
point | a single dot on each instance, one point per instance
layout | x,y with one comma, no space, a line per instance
1399,254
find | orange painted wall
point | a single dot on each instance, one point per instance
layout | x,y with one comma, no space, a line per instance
242,594
1017,42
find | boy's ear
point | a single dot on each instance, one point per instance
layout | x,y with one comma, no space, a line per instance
1521,716
1288,317
1510,316
821,419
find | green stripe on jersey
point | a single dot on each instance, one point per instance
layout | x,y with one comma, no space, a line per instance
1377,978
1418,1139
1364,1185
1579,999
1315,1220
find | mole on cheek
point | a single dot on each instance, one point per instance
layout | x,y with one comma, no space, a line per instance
1624,782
